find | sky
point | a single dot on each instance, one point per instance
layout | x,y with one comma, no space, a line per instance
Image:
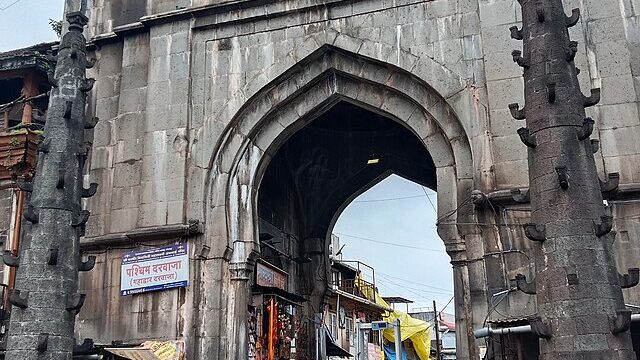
394,211
26,22
414,265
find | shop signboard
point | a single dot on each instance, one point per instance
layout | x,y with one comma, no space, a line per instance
270,276
152,350
154,269
380,325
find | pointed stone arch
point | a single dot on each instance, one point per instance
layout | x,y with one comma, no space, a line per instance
287,104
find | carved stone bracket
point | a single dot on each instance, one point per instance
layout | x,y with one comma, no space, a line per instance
563,177
87,265
75,302
571,50
540,328
605,225
524,286
516,112
19,298
574,18
9,259
526,138
43,147
520,197
479,199
551,92
53,257
24,185
594,99
31,215
86,345
91,123
621,322
630,279
87,85
68,106
516,33
518,59
586,130
89,192
611,184
80,218
43,342
540,12
535,232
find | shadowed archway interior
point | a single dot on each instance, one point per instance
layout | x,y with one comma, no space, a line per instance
315,173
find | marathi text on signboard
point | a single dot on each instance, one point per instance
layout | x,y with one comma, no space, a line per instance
154,269
152,350
269,276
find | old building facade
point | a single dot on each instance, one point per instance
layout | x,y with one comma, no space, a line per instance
231,125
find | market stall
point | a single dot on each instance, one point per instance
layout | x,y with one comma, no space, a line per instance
273,316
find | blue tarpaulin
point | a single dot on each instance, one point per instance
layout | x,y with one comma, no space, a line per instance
390,352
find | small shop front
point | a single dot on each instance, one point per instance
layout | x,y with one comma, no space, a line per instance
274,320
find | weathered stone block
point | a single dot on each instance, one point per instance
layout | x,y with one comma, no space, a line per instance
127,174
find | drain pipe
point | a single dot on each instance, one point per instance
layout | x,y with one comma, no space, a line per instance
487,331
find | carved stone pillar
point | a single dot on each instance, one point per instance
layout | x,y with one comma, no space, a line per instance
581,311
45,299
237,307
465,341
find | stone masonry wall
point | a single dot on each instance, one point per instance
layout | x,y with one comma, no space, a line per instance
166,91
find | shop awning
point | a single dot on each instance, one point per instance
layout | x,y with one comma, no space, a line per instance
334,350
267,290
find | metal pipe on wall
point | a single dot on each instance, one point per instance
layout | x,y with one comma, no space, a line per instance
487,331
15,241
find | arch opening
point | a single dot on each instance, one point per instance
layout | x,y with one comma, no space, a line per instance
307,183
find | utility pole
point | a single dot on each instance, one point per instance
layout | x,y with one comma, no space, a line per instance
581,312
45,299
436,325
398,338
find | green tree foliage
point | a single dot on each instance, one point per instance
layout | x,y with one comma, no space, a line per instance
56,25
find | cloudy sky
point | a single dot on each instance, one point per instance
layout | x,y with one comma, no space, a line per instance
392,228
414,265
26,22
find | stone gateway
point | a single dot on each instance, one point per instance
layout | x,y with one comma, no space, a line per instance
243,128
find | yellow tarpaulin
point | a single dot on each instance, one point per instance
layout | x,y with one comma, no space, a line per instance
417,331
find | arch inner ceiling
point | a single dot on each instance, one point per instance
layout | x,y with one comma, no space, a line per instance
325,164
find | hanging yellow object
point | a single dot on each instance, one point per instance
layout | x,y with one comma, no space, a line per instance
417,331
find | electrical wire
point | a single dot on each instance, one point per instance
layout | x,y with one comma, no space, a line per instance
447,215
10,5
428,198
416,289
389,243
22,99
419,293
414,282
445,307
389,199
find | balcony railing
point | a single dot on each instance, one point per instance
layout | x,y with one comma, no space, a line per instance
357,287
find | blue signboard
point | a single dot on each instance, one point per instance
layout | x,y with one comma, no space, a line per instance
154,269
